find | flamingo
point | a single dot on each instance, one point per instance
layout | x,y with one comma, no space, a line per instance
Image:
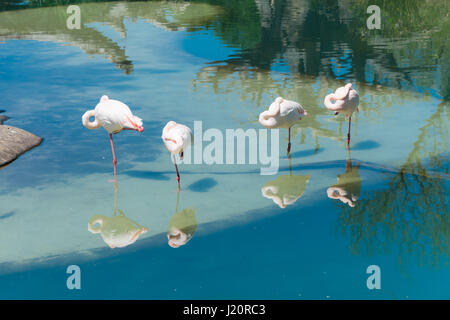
177,138
282,113
114,116
344,100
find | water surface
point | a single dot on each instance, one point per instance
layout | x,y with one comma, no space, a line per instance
223,62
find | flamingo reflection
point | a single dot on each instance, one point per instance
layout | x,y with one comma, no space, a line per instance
117,231
348,186
286,189
182,226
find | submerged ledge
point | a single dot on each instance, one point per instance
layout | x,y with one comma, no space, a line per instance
377,188
14,142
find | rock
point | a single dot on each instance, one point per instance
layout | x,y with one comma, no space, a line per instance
3,119
14,142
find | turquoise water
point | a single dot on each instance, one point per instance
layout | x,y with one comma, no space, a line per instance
223,63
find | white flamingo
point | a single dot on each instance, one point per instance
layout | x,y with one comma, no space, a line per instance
344,100
282,113
114,116
176,138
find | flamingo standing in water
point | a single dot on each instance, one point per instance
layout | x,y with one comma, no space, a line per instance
176,138
344,100
282,113
114,116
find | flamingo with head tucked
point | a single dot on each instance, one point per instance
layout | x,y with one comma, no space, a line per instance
114,116
282,113
344,100
176,138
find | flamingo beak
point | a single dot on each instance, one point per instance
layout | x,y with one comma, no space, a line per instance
140,129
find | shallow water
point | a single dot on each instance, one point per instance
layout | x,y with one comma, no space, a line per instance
223,63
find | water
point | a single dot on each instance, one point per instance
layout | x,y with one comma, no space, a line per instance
223,62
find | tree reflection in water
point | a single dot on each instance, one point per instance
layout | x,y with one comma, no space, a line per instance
46,21
411,216
330,39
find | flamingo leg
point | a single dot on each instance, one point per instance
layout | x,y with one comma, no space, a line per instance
348,164
290,164
178,174
349,125
114,155
289,143
115,195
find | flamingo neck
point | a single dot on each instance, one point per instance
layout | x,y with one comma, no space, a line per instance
90,124
267,119
330,104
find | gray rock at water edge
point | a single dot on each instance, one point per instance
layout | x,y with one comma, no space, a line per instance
3,119
14,142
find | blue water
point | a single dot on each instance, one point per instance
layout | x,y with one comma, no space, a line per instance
223,63
299,254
